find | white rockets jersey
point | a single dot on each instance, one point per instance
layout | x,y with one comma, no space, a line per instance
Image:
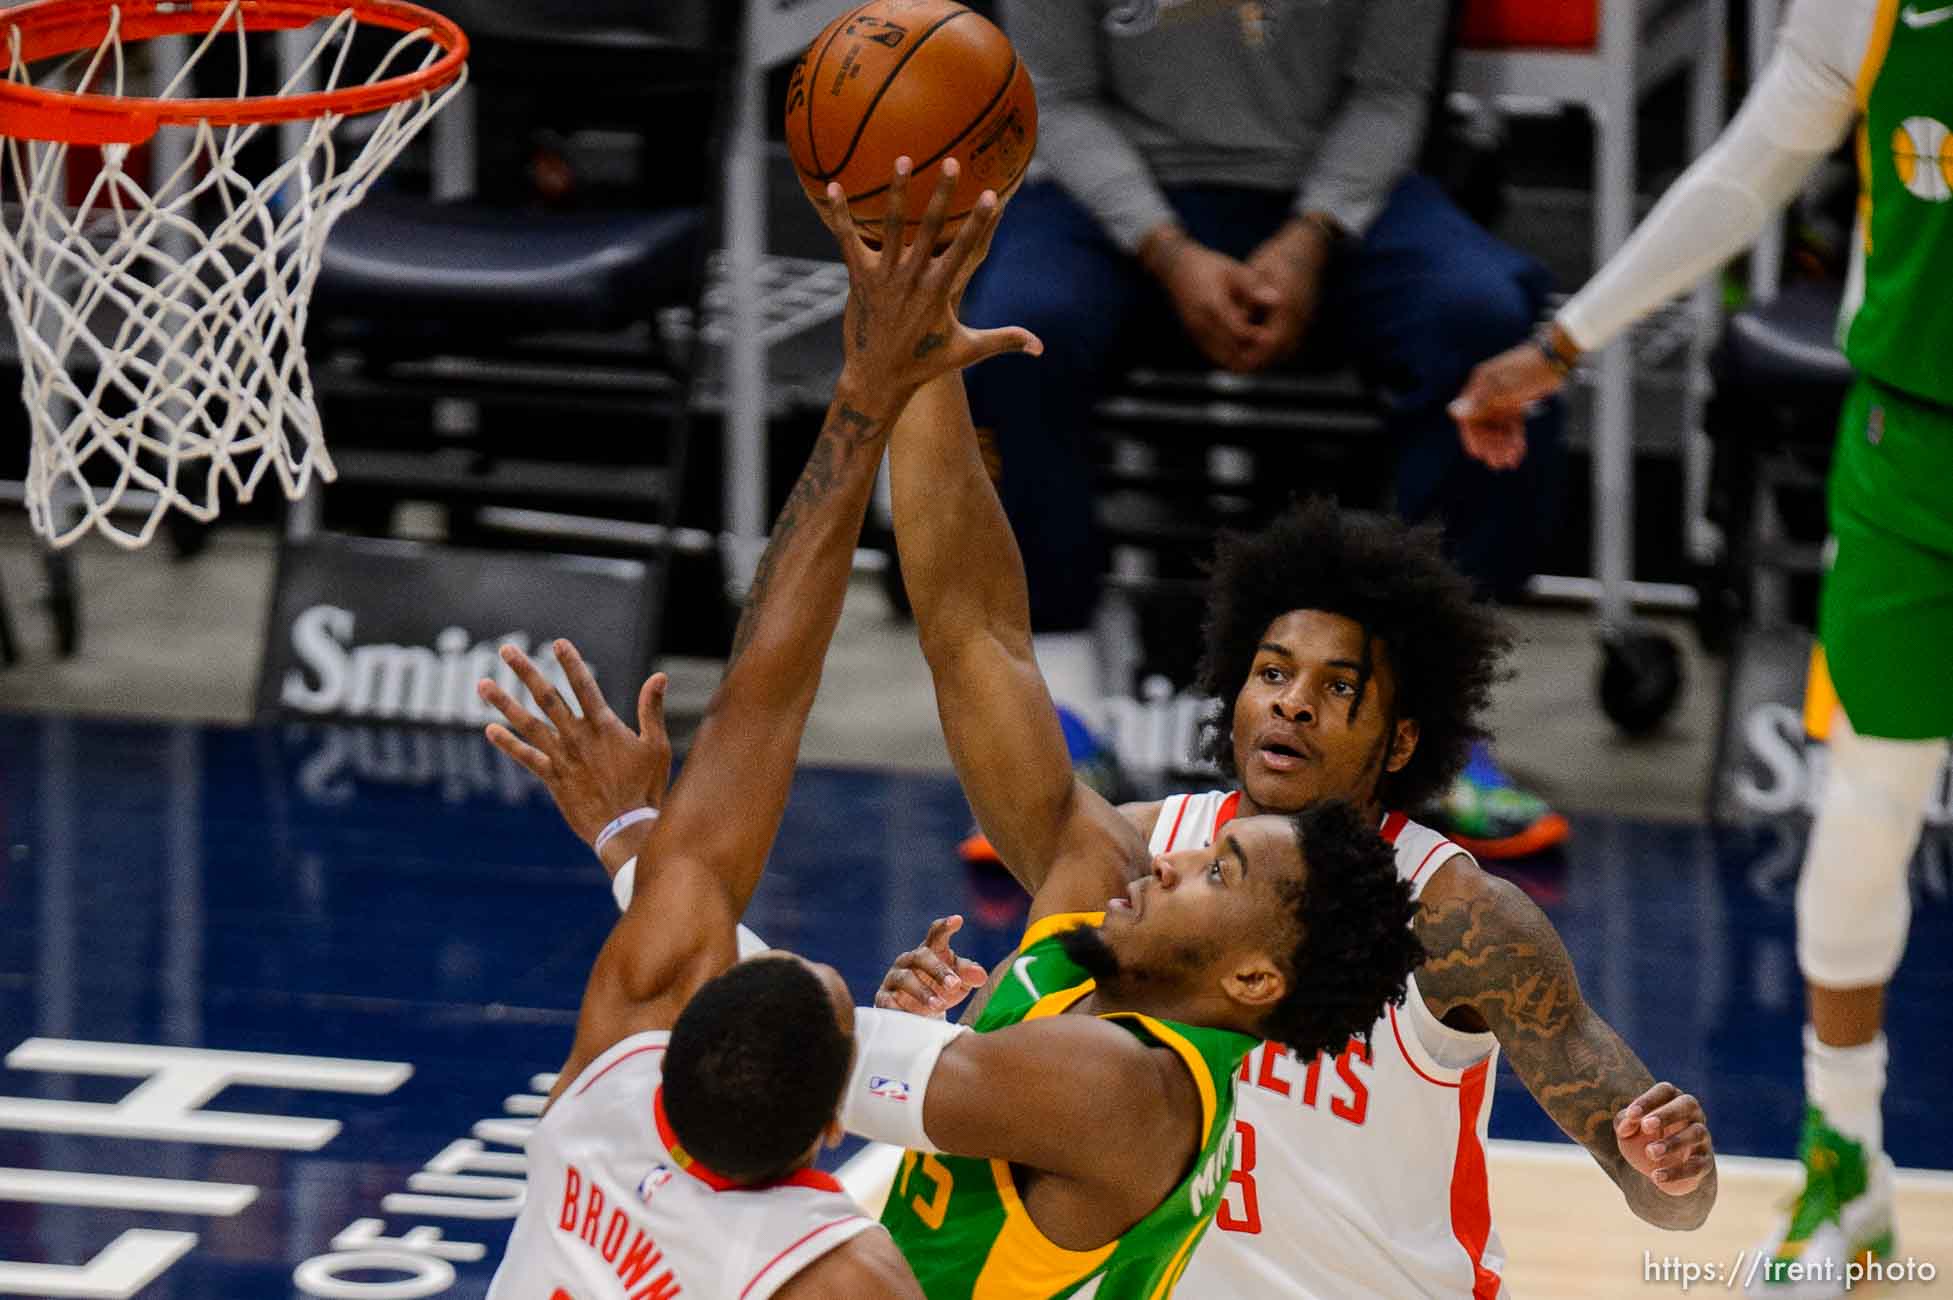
616,1212
1360,1174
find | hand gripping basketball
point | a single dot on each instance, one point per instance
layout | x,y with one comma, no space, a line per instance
900,329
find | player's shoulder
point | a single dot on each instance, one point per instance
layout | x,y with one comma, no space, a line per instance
866,1265
1838,35
632,1062
1143,816
1463,901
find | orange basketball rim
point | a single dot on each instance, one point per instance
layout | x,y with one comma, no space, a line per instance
45,29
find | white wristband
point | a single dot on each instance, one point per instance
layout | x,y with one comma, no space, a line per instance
895,1053
622,823
623,883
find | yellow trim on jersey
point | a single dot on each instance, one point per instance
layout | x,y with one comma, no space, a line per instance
1190,1056
1874,62
1056,1004
1041,930
1875,52
1025,1262
1178,1265
1865,183
1820,697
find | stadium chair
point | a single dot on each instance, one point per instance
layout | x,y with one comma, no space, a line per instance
502,320
1184,454
1780,383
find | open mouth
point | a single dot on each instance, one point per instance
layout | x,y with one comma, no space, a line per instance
1280,757
1128,903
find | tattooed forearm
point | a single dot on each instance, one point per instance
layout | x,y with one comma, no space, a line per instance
1497,959
846,432
856,326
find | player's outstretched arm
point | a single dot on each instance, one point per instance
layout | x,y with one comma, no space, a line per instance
1494,953
1046,1094
965,578
899,332
703,859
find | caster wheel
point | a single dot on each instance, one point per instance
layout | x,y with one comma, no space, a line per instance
1640,679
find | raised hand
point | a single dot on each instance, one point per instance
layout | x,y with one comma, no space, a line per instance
594,766
931,979
1665,1136
900,330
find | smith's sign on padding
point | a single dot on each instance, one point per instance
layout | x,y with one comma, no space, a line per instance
400,631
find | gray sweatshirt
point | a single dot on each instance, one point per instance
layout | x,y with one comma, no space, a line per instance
1323,97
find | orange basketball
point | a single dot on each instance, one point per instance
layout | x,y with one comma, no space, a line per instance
926,78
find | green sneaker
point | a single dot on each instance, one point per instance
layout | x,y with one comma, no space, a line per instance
1490,817
1843,1215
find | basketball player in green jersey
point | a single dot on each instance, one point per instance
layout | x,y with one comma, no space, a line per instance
1140,984
1127,1137
1886,617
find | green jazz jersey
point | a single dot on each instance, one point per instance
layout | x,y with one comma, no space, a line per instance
1898,320
959,1220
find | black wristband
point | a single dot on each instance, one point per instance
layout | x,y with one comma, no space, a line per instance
1560,363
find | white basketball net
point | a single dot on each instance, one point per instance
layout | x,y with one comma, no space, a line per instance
161,326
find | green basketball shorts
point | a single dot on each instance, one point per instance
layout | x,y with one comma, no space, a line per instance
1886,618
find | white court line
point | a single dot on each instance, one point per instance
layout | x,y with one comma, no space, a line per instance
121,1192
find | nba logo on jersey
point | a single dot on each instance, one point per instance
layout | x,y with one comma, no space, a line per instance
887,1089
658,1177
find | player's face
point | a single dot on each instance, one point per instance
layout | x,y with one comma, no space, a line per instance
1307,724
1204,913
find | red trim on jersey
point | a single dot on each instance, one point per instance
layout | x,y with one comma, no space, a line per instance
1412,1060
1441,844
655,1047
796,1246
1225,813
1471,1201
1177,819
1393,826
717,1181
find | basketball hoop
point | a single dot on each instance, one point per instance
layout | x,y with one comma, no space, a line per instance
161,317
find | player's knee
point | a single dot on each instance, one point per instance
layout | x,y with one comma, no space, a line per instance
1853,901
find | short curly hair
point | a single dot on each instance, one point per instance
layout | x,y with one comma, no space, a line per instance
1444,647
1354,949
755,1068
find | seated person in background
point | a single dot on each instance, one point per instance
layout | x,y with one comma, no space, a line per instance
1223,184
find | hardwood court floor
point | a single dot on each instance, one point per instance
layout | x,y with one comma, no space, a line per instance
1568,1234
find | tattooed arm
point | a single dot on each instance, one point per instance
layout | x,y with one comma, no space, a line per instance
702,860
1497,964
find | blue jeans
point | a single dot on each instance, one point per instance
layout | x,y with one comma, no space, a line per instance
1420,300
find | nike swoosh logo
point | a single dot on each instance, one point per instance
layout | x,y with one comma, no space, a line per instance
1928,18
